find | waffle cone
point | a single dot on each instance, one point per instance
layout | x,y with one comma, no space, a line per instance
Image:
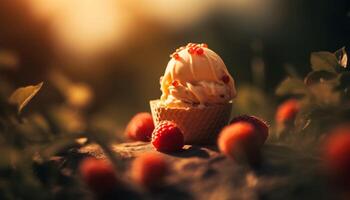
199,125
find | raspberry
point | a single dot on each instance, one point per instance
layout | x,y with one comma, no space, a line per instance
240,141
287,111
167,137
260,126
175,83
176,56
336,155
99,175
140,127
149,169
199,51
191,50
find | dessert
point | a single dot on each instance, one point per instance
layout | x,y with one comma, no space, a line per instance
197,92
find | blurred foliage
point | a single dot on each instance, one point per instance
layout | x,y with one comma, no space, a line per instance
36,146
323,96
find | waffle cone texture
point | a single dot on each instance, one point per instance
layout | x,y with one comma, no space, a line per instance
199,125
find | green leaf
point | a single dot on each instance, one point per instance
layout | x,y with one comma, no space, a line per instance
23,95
342,57
319,76
291,86
323,61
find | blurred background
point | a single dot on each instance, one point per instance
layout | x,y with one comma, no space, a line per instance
108,55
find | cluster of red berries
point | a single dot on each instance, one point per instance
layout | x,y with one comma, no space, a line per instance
192,49
148,170
243,138
335,149
166,137
196,48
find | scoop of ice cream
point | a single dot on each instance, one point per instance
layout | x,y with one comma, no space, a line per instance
196,75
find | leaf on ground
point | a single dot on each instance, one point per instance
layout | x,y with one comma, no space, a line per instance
323,61
23,95
291,86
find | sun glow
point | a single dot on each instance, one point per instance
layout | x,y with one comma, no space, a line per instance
84,26
88,27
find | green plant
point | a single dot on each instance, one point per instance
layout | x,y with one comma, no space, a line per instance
323,96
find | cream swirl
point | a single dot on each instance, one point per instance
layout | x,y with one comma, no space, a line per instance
196,75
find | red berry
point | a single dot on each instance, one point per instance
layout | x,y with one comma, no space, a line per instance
199,51
140,127
176,56
98,175
167,137
260,126
149,169
175,83
191,50
336,154
287,111
225,79
240,141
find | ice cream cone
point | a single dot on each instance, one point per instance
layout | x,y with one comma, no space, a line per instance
200,125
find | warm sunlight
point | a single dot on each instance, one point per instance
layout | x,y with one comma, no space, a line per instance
84,26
